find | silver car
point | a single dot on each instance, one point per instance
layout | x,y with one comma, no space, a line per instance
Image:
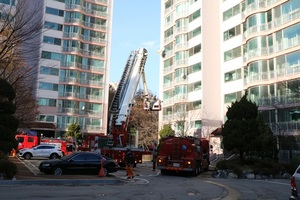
295,184
43,150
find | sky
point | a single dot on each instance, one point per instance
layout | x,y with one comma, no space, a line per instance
136,24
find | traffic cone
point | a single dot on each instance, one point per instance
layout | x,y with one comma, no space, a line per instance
101,171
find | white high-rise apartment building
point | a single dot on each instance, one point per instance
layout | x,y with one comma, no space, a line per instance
73,75
73,81
212,52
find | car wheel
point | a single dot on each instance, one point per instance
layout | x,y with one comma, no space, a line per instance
27,156
54,156
105,172
57,171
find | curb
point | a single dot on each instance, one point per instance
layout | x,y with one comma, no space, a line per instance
73,182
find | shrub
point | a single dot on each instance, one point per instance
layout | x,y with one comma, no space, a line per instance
8,169
265,167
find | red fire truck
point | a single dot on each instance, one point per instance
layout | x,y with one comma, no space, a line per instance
186,154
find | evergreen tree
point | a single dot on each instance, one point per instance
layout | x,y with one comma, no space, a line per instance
74,131
8,123
166,131
246,132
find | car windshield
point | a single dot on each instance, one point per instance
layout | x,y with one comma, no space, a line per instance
67,157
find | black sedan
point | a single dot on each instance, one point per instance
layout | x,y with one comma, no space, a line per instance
79,163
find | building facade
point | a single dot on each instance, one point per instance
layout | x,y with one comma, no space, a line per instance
72,82
212,54
74,76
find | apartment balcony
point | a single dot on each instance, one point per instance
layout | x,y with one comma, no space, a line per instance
167,86
68,110
181,46
96,13
81,66
168,70
278,47
81,96
285,128
168,102
181,14
180,30
84,38
86,10
81,81
180,1
168,10
86,24
167,118
83,52
181,63
285,19
180,98
100,1
277,102
259,4
169,39
180,81
168,53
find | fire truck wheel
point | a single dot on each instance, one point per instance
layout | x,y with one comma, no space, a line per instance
27,156
57,171
54,156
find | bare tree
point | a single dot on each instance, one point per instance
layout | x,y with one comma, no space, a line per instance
145,122
184,115
20,35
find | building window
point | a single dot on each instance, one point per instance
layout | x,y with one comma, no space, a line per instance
194,33
46,118
195,15
52,40
232,32
231,12
49,71
53,26
198,124
54,11
194,50
50,55
194,68
47,102
233,75
232,97
232,53
48,86
195,86
5,2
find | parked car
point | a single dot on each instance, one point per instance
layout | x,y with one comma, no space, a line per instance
43,150
295,184
79,163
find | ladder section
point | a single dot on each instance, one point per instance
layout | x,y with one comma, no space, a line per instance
176,146
114,107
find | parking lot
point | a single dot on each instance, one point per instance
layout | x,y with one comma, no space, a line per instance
28,170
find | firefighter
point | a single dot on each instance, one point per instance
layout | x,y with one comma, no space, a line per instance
129,161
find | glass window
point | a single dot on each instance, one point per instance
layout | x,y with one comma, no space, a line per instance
194,68
54,11
49,71
195,15
52,25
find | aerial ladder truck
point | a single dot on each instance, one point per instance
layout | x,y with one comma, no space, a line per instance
115,144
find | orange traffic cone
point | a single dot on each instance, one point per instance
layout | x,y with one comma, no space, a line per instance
101,171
